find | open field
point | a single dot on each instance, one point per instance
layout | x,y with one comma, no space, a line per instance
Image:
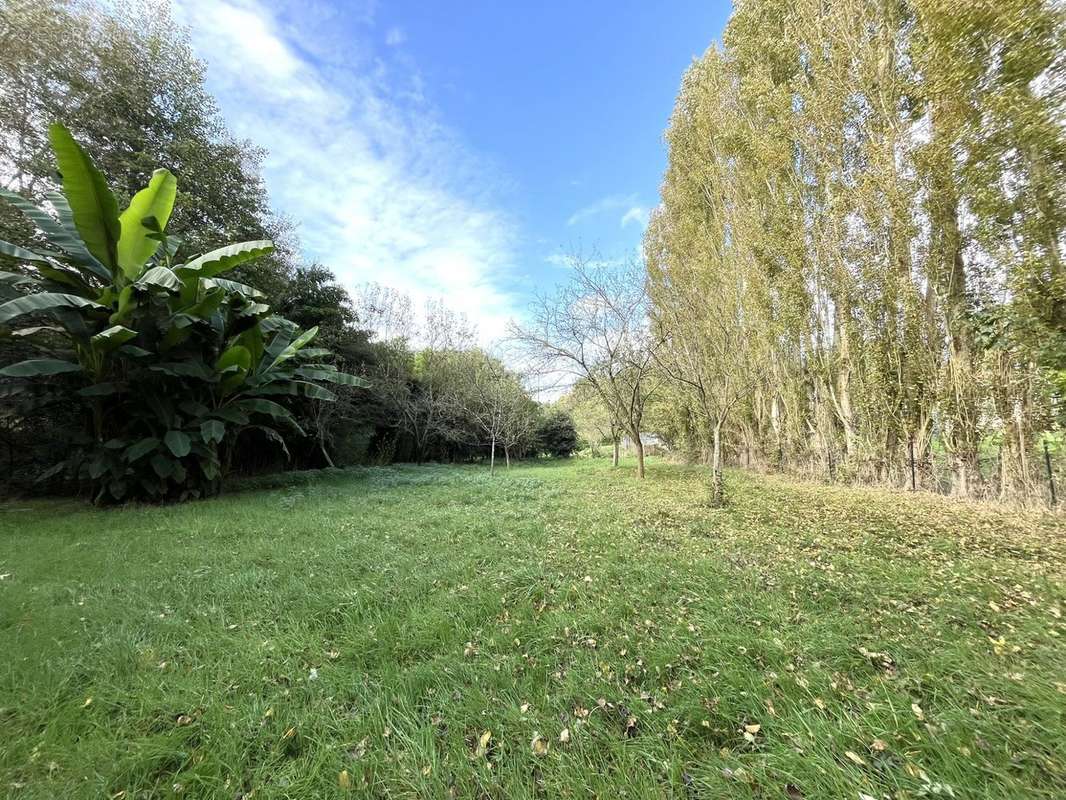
412,631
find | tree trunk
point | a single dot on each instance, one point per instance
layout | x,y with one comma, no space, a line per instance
717,489
614,458
640,454
950,285
507,455
325,454
492,457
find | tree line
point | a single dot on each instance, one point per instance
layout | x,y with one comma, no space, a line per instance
859,246
856,265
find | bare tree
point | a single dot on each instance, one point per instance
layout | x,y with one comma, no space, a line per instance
488,395
386,312
417,388
595,329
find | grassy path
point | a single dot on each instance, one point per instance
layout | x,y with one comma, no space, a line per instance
558,631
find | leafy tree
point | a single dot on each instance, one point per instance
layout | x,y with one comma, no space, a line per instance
312,297
556,434
169,360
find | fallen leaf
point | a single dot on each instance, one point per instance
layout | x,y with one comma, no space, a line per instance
344,780
483,743
564,735
539,745
360,749
855,758
917,709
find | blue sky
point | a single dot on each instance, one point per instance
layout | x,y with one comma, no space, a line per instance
455,149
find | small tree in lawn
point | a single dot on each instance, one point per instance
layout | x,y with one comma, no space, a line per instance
595,329
520,422
489,397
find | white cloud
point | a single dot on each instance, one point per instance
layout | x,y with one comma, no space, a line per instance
382,189
395,37
637,214
602,206
567,260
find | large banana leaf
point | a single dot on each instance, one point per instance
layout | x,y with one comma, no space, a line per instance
17,279
233,365
45,301
233,287
38,367
112,338
218,261
56,232
212,430
65,277
91,202
257,405
141,448
73,244
20,253
208,304
178,442
324,372
316,392
292,348
163,277
155,200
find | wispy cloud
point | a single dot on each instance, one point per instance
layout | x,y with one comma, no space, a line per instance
637,214
382,189
567,260
610,203
395,37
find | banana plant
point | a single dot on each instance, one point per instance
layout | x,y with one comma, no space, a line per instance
170,360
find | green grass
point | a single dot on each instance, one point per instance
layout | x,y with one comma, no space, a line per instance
886,645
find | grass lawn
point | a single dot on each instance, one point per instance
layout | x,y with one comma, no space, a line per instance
558,631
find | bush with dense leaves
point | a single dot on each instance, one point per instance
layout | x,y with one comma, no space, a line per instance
168,361
556,434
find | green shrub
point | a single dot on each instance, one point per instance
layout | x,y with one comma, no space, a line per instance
168,360
556,435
